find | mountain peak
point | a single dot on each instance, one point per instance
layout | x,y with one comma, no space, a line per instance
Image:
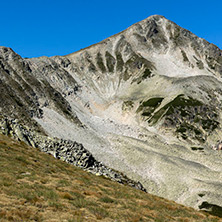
143,101
155,17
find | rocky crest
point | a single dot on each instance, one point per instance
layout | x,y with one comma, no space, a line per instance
145,102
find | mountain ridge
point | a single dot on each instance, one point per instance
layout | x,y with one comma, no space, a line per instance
112,36
137,23
142,101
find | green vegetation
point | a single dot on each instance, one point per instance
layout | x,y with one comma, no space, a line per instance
100,62
177,36
211,63
106,199
199,63
120,62
91,67
140,38
190,117
185,127
146,74
197,148
37,187
148,107
185,58
216,210
127,105
154,102
110,62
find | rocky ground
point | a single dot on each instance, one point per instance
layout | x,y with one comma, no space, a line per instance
66,150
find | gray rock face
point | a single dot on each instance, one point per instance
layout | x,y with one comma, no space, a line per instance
146,102
66,150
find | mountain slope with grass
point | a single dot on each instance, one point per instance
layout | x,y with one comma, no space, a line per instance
37,187
145,102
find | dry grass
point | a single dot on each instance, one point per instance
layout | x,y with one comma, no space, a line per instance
37,187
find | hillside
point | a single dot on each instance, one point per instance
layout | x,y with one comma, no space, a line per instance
145,102
37,187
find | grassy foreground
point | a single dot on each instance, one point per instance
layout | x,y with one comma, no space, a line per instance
34,186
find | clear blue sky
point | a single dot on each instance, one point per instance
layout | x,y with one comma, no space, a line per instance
50,27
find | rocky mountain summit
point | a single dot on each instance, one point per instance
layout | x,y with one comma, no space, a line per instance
146,102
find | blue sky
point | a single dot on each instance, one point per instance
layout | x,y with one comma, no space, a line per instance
50,27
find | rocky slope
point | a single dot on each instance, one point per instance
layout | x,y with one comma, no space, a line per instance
145,102
66,150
